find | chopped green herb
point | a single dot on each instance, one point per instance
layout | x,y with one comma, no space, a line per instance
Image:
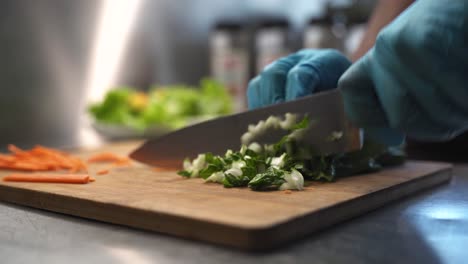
285,164
272,178
184,173
335,136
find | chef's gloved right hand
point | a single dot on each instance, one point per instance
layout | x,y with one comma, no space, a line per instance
415,78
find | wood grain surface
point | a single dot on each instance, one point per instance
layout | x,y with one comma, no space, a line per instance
141,197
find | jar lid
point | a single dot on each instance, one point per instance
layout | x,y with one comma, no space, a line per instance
321,20
228,26
273,22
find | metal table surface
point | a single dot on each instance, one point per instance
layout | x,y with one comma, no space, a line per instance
429,227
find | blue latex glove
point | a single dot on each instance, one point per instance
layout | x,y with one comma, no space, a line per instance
304,73
299,74
415,79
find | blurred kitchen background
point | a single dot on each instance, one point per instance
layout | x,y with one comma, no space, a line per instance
58,56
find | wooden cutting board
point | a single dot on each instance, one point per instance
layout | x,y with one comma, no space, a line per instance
140,197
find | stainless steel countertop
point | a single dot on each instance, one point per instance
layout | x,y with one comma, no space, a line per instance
429,227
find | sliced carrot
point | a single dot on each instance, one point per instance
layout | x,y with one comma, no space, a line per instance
122,163
74,164
6,158
40,159
55,178
91,179
108,157
14,149
27,166
103,172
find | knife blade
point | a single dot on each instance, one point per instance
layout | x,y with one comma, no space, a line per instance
325,109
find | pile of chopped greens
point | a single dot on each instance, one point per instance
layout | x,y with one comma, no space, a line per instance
286,164
170,106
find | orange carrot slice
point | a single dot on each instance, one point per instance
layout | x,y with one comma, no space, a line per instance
122,163
40,159
103,172
108,157
55,178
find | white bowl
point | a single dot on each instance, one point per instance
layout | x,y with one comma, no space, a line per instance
118,132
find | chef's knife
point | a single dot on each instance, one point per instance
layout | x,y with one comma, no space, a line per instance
324,109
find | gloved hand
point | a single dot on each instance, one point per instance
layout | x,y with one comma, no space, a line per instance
304,73
299,74
415,79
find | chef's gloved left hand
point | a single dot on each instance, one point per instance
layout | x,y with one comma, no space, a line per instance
299,74
303,73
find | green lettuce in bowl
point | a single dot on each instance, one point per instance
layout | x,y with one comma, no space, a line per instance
126,112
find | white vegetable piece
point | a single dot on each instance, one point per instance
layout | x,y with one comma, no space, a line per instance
187,165
335,136
243,149
297,135
234,171
289,121
255,147
238,164
228,153
294,181
272,122
246,138
198,164
216,177
260,128
278,162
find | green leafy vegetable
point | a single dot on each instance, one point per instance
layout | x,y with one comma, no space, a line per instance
117,109
172,106
272,178
184,173
285,164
